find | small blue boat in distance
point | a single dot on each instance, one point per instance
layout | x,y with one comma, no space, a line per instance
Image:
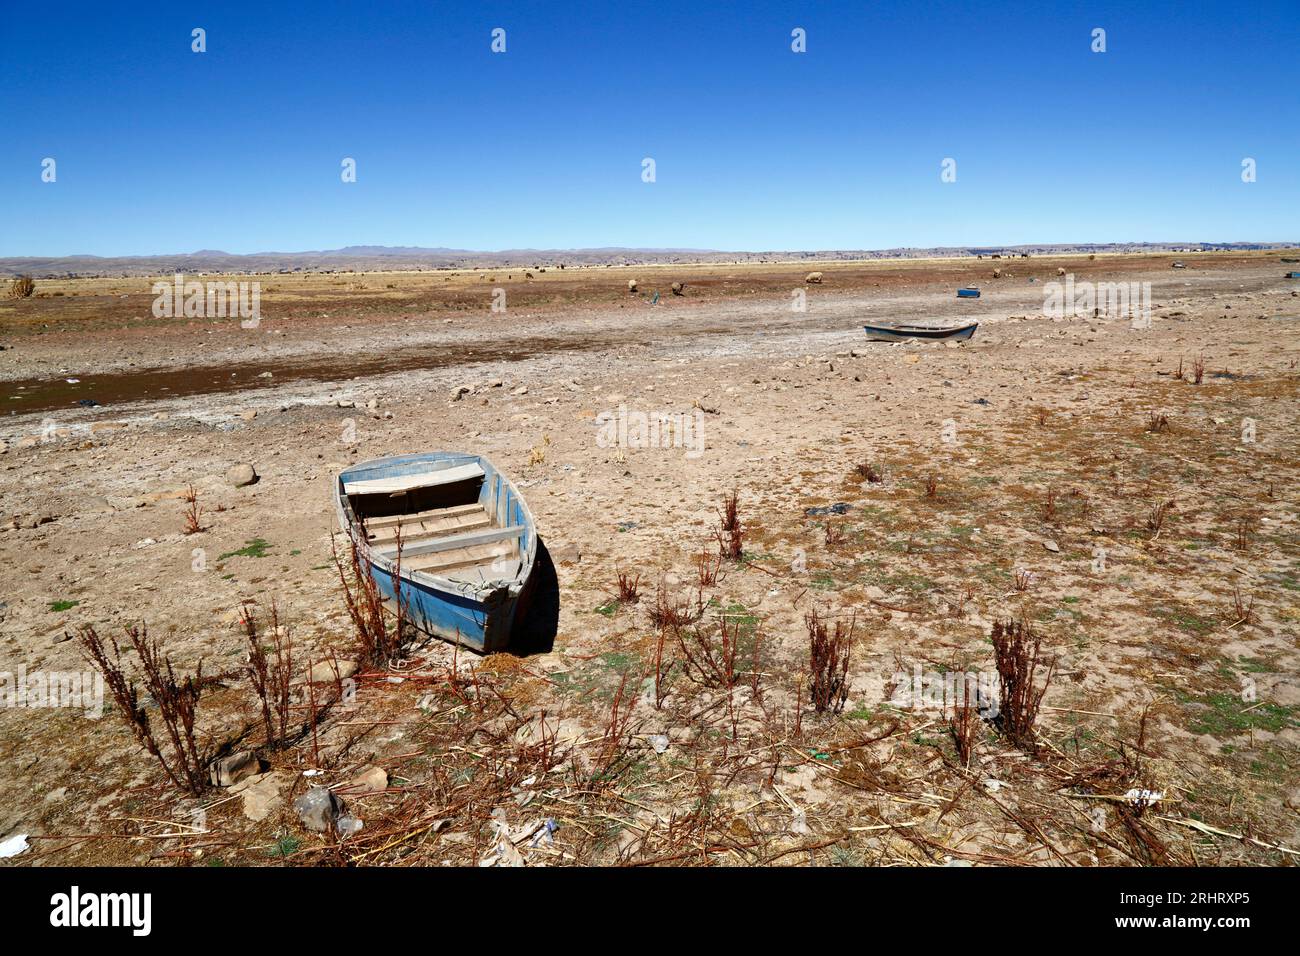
968,293
467,542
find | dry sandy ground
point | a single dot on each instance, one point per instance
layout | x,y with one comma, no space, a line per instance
1047,462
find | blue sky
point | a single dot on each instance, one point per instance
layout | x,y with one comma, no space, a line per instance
160,149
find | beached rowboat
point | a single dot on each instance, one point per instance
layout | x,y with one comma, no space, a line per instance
901,333
968,293
467,541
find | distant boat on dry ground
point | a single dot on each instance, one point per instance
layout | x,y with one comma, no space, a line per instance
899,332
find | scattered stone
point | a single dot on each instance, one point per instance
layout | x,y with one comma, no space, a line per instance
813,278
458,391
659,742
677,288
319,809
631,285
838,508
1052,546
567,554
249,415
261,794
241,475
228,771
369,780
331,671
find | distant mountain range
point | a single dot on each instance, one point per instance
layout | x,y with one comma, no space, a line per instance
414,258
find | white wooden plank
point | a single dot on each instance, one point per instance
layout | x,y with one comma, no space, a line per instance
426,479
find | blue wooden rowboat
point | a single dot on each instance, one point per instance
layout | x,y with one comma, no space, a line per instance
969,293
902,333
1293,275
467,542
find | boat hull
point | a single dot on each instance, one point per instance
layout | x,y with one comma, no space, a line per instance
904,333
477,615
482,622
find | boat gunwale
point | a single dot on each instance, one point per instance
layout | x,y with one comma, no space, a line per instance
923,331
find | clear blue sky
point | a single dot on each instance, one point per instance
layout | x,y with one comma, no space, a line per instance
163,150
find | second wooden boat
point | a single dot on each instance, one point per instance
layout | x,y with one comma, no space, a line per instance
901,333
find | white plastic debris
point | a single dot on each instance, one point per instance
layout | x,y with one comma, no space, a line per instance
799,823
13,846
659,742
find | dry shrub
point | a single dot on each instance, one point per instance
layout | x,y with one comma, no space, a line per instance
663,668
707,568
1157,422
868,473
730,533
828,660
1017,651
834,534
964,725
932,486
193,513
177,700
21,287
1243,610
1049,505
1156,520
614,750
709,653
1198,370
1245,532
271,676
628,588
377,643
672,613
